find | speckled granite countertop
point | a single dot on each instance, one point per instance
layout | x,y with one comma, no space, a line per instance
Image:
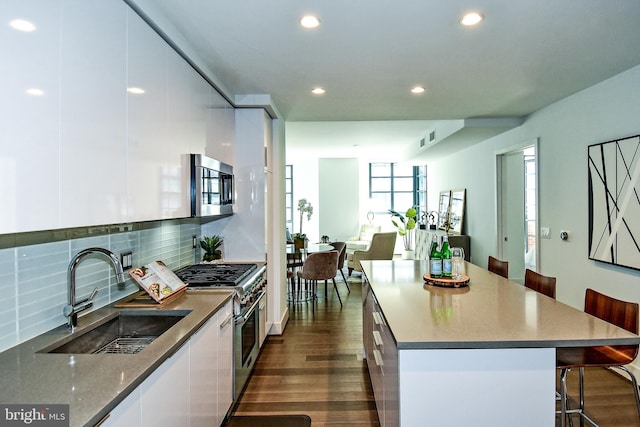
492,312
94,384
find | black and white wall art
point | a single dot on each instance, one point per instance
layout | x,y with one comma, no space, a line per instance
614,202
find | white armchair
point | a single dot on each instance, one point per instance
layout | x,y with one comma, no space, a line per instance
362,241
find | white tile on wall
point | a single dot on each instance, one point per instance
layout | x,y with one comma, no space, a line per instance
119,243
189,255
42,282
8,309
33,279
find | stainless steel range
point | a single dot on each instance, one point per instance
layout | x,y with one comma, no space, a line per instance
249,282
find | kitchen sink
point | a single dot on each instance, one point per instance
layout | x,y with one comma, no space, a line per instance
125,332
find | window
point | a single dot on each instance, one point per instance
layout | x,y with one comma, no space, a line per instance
288,196
397,187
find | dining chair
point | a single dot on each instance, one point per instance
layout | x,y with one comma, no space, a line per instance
499,267
294,261
620,313
341,247
320,266
544,284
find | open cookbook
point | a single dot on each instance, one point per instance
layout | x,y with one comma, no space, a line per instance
158,280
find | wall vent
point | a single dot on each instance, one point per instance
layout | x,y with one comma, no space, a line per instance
432,136
422,142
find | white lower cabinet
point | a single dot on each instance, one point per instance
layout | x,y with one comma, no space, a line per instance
194,387
164,396
224,396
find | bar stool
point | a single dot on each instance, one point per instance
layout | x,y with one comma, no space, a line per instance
543,284
499,267
620,313
294,261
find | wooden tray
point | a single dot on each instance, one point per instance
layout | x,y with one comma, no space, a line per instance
446,283
143,299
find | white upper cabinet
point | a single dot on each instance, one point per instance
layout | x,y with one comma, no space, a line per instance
113,111
148,137
29,139
220,129
93,145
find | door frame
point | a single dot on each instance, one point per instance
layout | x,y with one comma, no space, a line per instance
499,156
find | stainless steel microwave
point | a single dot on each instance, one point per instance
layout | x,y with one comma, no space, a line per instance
212,191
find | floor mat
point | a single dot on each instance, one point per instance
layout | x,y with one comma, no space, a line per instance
269,421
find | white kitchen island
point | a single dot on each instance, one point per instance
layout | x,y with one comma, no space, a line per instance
483,354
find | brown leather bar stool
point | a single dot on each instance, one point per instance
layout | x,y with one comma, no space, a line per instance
499,267
620,313
543,284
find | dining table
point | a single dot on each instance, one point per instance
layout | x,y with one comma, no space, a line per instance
482,353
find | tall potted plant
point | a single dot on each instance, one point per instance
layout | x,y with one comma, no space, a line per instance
405,224
299,238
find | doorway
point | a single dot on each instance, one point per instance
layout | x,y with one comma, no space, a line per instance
517,208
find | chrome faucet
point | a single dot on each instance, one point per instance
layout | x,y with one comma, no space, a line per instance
74,307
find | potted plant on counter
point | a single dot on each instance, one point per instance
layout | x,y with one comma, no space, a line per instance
406,224
299,241
211,246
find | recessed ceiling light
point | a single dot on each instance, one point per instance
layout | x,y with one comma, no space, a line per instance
135,90
310,21
417,89
471,19
35,92
22,25
317,91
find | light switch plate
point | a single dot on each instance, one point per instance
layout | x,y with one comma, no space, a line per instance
545,232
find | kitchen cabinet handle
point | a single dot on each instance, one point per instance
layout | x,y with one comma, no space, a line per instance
377,338
378,357
226,321
377,319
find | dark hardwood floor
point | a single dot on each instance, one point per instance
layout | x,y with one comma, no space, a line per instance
316,368
608,398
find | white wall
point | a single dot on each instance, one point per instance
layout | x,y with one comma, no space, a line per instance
339,185
603,112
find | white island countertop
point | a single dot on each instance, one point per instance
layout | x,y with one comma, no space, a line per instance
490,313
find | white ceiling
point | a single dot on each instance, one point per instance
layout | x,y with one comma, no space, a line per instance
368,54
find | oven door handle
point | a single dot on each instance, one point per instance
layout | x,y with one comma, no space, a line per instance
249,312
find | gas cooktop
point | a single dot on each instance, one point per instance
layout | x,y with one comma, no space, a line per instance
215,274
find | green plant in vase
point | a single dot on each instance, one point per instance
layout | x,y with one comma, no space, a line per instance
211,247
406,224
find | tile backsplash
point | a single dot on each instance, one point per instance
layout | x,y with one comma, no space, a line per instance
33,278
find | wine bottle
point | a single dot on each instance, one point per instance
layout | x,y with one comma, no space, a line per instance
445,253
435,259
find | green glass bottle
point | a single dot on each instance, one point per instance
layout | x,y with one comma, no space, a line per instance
435,259
445,253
